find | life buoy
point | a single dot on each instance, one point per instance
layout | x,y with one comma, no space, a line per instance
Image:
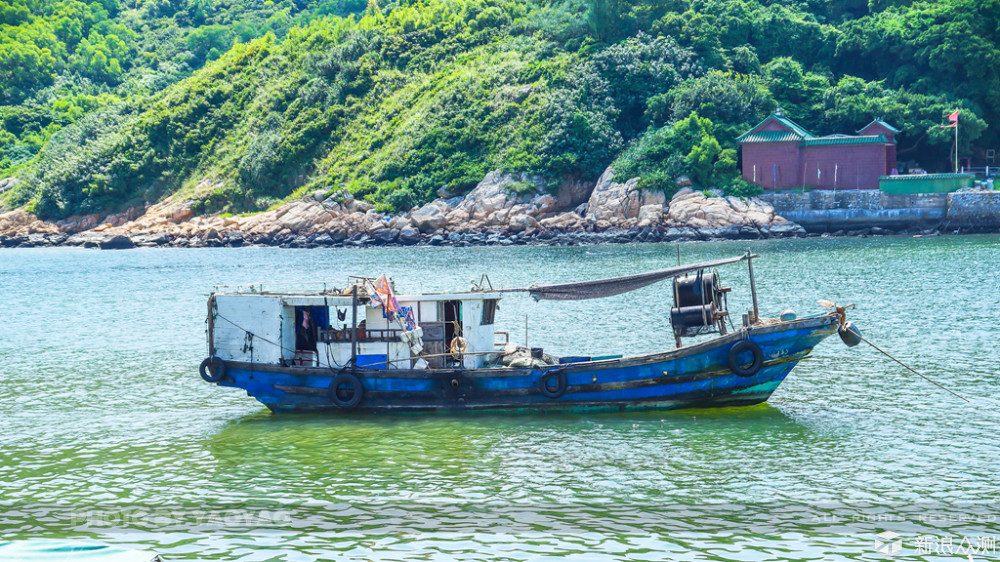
458,347
560,388
733,359
212,369
356,391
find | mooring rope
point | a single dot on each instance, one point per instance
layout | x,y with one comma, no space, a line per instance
251,334
907,367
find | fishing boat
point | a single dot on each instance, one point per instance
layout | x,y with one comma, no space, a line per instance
361,347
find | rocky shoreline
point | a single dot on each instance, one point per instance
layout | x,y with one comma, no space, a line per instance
503,210
123,242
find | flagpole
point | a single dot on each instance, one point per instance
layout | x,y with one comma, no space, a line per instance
956,143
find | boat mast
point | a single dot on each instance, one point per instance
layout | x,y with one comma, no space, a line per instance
211,325
753,287
354,326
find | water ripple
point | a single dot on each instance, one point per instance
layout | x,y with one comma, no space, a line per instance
103,414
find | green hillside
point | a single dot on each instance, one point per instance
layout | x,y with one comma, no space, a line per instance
243,104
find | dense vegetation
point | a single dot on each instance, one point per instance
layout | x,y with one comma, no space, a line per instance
65,59
240,104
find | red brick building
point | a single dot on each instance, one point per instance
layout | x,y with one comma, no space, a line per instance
779,154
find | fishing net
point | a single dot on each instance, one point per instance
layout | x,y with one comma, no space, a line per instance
600,288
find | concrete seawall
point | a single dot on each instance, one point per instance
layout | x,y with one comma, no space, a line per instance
829,211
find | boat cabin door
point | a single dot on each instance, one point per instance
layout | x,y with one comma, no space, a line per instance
308,321
451,315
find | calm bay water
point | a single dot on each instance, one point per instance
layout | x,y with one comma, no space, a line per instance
108,433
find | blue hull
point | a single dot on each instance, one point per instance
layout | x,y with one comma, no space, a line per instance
695,375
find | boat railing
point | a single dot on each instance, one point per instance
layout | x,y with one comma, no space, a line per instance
305,287
506,339
365,335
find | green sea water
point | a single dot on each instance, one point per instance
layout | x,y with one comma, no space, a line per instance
108,433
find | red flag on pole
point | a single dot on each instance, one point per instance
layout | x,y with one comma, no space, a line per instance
952,120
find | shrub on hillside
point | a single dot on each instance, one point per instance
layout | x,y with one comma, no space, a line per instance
686,147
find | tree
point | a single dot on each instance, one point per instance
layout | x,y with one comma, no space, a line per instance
854,102
23,67
731,101
686,147
633,71
608,19
203,40
950,48
799,93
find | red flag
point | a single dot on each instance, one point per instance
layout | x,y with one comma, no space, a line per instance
953,117
383,296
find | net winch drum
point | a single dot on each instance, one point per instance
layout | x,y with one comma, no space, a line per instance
699,305
696,290
693,320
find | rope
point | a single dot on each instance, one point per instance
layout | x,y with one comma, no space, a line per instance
928,379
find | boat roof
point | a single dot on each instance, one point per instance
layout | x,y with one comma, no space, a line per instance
313,293
340,300
579,290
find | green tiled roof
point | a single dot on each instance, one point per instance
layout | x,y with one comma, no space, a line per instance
880,122
793,126
796,133
844,140
769,136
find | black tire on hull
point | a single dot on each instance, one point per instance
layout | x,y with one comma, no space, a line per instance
357,391
543,384
733,359
212,369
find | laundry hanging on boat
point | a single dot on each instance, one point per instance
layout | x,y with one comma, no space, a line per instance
409,321
383,297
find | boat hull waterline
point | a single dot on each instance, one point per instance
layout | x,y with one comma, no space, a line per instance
697,375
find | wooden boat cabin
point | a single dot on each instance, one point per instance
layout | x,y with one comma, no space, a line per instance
328,327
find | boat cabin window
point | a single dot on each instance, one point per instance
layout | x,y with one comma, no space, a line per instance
451,315
489,311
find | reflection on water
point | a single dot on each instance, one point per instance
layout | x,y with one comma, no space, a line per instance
108,432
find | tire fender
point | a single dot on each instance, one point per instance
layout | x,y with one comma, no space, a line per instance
354,383
733,358
212,369
548,391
